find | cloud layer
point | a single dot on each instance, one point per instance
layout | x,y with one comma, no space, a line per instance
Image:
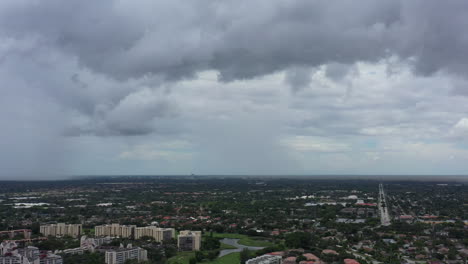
255,87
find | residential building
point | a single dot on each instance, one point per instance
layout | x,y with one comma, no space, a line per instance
189,240
90,243
290,260
50,258
159,234
120,255
62,229
11,254
265,259
115,230
350,261
73,251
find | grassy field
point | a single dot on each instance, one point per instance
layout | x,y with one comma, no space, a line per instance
181,258
228,235
245,240
226,246
253,242
233,258
184,257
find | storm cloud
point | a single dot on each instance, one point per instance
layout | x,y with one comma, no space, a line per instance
126,75
176,39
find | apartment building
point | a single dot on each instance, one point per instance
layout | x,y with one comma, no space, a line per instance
189,240
120,255
90,243
159,234
115,230
50,258
61,229
265,259
11,254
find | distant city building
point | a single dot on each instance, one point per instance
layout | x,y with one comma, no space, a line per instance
11,254
122,254
61,229
265,259
189,240
159,234
115,230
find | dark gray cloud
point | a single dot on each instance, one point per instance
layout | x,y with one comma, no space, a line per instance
176,39
298,77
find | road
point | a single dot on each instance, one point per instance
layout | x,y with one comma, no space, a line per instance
383,207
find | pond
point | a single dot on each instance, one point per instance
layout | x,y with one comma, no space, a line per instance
234,242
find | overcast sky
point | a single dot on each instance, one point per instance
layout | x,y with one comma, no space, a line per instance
233,87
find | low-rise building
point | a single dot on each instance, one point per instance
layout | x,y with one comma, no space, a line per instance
265,259
290,260
122,254
350,261
90,243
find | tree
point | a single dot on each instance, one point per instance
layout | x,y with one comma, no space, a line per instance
199,256
298,240
211,243
244,255
35,227
300,258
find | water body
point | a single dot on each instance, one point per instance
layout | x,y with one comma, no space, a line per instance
234,242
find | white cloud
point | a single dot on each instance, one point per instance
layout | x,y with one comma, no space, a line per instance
462,124
155,153
315,144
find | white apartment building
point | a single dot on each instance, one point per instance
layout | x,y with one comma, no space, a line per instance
159,234
90,243
189,240
61,229
265,259
11,254
120,255
50,259
115,230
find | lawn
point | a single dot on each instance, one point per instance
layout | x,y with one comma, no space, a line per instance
228,235
233,258
181,258
184,257
254,242
226,246
245,240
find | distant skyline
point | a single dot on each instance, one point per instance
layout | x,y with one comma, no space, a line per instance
221,87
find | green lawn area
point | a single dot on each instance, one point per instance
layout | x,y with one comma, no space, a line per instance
226,246
184,257
228,235
253,242
233,258
181,258
245,240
